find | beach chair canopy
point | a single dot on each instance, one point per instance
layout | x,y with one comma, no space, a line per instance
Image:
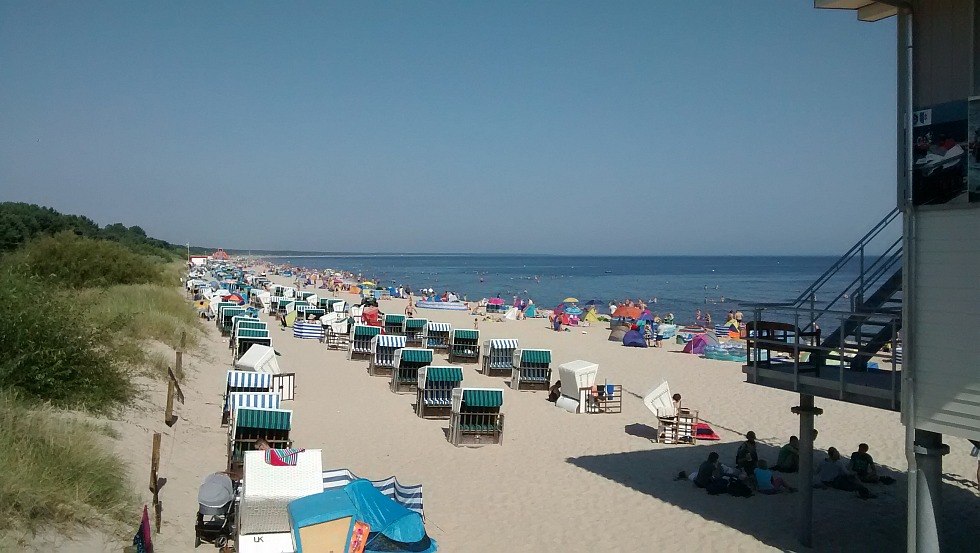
259,358
503,343
534,357
440,374
366,331
390,341
415,355
265,419
439,327
575,375
253,400
415,324
394,319
466,334
659,401
249,379
477,397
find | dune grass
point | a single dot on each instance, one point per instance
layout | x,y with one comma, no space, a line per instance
55,471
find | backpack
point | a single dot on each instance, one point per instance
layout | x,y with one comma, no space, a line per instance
739,489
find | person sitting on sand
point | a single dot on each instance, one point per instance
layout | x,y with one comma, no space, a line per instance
262,444
767,482
789,456
831,473
746,458
709,475
554,392
863,466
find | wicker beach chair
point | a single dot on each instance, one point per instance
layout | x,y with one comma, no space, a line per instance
498,355
437,335
434,396
476,418
532,369
464,345
394,324
248,425
266,492
360,340
672,428
382,359
405,374
243,381
414,331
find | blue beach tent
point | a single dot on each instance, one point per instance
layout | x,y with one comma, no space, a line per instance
634,339
394,528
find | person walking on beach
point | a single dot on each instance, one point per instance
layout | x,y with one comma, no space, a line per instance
410,308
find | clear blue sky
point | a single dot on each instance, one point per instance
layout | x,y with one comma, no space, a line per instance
560,127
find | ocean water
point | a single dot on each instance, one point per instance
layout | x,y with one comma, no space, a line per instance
679,284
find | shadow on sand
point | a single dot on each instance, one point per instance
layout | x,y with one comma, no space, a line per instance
874,524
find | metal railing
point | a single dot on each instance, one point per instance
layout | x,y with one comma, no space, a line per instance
793,344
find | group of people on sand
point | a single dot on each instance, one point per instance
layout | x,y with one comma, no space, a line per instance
750,472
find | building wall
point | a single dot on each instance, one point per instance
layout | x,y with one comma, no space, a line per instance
943,267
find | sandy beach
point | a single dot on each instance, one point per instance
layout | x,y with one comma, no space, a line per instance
559,481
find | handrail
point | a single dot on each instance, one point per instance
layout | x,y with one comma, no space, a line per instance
848,256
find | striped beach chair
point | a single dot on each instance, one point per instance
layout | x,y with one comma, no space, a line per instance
434,396
383,348
394,323
243,321
464,345
476,418
437,335
243,381
409,496
498,355
415,331
250,424
532,369
248,337
721,331
405,374
227,318
360,340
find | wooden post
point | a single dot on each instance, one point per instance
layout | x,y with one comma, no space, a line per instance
154,479
168,414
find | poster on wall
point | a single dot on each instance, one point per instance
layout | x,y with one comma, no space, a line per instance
973,161
939,154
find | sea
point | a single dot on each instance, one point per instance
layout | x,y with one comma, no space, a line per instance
668,284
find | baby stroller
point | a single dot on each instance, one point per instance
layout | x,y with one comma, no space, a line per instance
216,510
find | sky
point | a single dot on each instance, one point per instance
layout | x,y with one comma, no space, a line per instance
649,127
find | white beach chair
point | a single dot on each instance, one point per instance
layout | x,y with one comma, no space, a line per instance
672,428
268,489
383,348
498,355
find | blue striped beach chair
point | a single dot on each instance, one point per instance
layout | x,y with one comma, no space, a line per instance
405,374
434,397
394,323
360,340
437,335
243,381
250,424
464,345
721,331
415,331
408,496
383,348
476,418
253,400
498,355
532,369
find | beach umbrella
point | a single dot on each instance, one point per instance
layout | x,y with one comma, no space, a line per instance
573,310
627,312
367,283
234,297
594,302
569,300
496,301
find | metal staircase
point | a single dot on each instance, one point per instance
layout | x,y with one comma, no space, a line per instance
865,314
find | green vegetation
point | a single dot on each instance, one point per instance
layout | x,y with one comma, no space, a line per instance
81,304
54,470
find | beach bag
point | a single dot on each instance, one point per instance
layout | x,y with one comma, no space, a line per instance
738,488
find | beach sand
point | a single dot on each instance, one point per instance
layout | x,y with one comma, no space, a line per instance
559,482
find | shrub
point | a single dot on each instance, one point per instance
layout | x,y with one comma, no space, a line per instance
80,262
53,351
53,470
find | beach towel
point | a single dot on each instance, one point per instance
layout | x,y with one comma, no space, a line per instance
282,457
141,540
705,432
